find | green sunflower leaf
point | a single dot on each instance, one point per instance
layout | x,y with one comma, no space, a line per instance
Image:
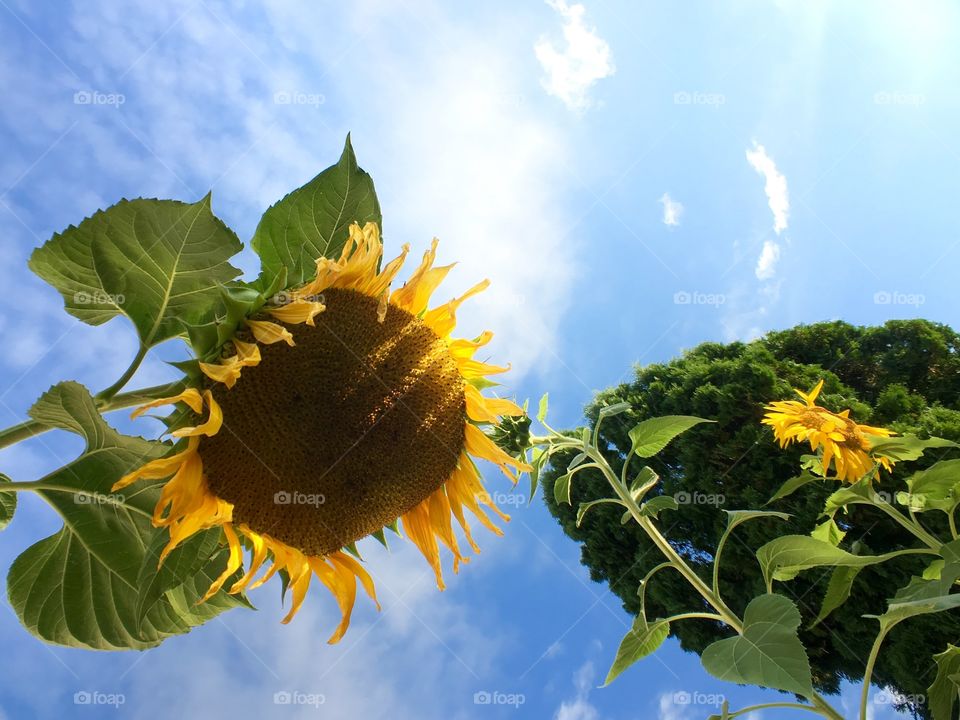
158,262
313,221
768,653
943,693
651,436
196,563
786,556
8,504
80,586
641,640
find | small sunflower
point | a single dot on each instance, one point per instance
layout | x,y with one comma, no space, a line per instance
844,442
356,409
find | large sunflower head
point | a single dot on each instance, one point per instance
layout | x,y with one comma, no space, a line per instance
844,442
356,409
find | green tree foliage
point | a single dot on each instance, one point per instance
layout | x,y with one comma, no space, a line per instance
904,375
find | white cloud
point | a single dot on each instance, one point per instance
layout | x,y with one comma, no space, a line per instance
767,262
775,185
672,210
579,708
585,59
670,710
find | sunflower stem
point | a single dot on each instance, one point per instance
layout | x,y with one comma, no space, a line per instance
17,433
127,374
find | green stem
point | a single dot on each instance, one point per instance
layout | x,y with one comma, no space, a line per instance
868,672
773,706
127,374
913,528
697,616
17,433
953,524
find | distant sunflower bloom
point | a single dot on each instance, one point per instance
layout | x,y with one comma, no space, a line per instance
356,409
844,442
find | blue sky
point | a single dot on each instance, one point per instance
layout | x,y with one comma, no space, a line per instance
635,178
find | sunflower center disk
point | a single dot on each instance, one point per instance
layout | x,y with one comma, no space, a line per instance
333,438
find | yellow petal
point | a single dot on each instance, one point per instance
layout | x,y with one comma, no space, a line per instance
190,397
211,426
268,333
479,445
484,409
297,311
226,371
160,468
234,561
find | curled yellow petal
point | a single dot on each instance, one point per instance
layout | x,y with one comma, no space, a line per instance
268,333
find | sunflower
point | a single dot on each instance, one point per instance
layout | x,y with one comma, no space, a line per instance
356,409
844,442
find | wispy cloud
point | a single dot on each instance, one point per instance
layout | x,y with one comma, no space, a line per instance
672,210
767,262
584,59
579,708
775,185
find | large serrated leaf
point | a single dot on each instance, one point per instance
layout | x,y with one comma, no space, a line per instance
313,221
80,586
158,262
768,653
651,436
784,557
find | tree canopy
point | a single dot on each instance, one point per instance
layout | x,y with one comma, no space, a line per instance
904,375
